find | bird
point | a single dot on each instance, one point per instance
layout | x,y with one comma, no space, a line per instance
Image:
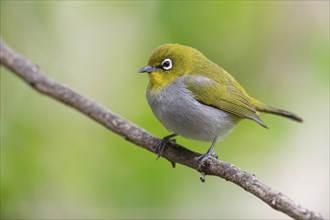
197,99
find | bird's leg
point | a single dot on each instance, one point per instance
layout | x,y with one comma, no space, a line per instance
161,146
209,152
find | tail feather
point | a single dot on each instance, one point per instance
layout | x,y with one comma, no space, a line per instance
261,107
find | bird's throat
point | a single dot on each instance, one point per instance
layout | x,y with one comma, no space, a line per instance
158,81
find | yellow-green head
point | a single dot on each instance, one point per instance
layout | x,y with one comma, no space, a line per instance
170,61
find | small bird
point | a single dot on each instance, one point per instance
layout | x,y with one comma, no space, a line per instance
195,98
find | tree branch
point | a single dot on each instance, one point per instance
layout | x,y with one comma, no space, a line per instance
175,153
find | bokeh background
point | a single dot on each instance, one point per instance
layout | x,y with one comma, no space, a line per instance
58,164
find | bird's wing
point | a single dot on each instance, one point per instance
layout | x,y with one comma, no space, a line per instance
227,97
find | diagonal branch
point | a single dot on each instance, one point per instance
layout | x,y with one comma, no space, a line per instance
175,153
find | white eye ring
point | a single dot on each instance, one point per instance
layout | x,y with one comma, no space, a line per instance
167,64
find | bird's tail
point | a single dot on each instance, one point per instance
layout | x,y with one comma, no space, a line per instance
261,107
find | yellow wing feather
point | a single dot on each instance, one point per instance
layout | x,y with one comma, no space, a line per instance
226,96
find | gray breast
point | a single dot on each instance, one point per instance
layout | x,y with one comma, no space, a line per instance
176,108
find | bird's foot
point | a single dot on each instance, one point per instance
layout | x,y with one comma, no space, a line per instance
162,145
202,162
215,155
204,157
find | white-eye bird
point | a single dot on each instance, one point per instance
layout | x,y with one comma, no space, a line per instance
197,99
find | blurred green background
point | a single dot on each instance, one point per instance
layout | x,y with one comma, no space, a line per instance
58,164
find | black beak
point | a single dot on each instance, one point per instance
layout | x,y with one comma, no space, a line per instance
147,69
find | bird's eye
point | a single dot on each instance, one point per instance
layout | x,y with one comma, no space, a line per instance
167,64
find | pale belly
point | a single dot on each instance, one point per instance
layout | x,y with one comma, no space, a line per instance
181,114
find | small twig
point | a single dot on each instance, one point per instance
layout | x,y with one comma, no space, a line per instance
175,153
